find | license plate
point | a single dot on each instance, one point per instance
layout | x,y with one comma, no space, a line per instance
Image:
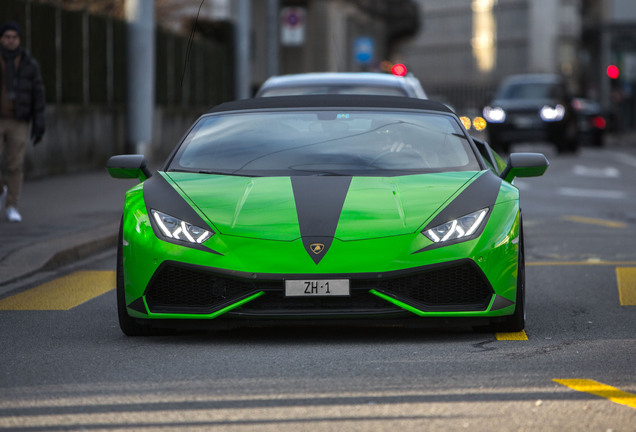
317,288
524,121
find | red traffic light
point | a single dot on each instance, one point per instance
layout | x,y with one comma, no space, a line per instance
399,69
613,72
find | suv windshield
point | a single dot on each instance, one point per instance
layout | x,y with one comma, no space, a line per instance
529,91
277,143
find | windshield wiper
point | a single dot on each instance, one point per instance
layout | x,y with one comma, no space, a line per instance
212,172
323,172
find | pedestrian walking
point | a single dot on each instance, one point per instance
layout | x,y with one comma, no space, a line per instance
22,102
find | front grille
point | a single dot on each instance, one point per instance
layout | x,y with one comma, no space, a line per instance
177,289
458,287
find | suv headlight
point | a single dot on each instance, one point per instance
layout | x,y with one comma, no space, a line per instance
177,229
552,114
494,114
460,228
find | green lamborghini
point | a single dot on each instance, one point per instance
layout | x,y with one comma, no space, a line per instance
315,209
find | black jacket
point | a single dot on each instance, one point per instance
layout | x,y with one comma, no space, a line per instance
30,100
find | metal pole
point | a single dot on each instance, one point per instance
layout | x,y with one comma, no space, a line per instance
272,37
86,76
110,59
58,54
606,57
140,58
243,27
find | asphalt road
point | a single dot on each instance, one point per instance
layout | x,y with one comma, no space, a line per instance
72,368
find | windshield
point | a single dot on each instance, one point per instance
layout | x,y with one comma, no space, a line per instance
287,143
530,91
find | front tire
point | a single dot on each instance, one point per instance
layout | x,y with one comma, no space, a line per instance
568,141
129,326
598,140
517,321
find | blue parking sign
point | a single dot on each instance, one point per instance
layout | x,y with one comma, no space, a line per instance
363,48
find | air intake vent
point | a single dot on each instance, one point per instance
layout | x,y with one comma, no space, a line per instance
461,287
176,289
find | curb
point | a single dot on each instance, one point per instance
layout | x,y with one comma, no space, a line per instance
57,252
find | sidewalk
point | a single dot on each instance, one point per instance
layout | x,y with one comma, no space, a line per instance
64,219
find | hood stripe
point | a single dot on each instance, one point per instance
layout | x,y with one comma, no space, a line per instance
160,195
319,201
481,193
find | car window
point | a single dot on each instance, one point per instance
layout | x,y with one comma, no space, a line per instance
325,142
371,90
492,159
334,89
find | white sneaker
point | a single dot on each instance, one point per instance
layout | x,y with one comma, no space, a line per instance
13,214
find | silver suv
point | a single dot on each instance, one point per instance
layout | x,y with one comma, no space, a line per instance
369,83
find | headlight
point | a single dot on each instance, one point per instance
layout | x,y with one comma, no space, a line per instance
460,228
479,123
550,114
176,229
494,115
466,122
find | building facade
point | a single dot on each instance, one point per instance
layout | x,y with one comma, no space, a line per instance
465,47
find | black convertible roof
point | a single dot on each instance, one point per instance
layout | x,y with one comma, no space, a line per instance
327,101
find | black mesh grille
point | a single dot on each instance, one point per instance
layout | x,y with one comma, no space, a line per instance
176,288
460,287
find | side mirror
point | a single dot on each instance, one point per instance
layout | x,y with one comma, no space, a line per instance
525,165
128,167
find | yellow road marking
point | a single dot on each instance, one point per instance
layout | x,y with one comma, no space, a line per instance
600,389
594,221
513,336
626,277
64,293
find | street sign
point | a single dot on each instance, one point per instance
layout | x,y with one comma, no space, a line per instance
363,49
292,26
